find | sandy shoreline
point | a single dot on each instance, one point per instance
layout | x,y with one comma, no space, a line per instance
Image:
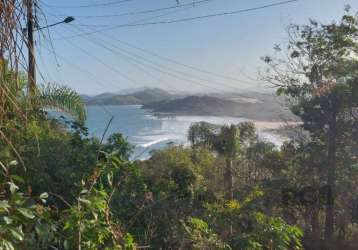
262,125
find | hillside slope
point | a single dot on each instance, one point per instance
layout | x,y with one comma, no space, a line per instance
137,98
208,105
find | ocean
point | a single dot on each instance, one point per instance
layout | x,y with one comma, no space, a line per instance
147,132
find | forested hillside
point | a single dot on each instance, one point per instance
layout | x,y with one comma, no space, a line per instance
140,97
213,106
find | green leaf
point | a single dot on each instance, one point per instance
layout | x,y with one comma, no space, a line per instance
95,215
67,225
64,99
84,201
17,233
354,167
13,187
129,241
17,178
26,212
13,163
84,191
4,205
42,230
8,220
110,179
7,245
280,91
66,244
44,195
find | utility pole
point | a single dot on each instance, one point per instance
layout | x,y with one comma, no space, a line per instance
2,76
31,81
31,85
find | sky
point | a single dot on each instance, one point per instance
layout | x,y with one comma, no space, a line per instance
99,52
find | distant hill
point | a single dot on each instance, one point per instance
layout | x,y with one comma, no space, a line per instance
129,91
209,105
85,98
251,105
152,95
143,96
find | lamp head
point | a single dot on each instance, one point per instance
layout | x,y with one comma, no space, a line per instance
68,19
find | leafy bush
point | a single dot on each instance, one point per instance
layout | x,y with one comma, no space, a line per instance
201,236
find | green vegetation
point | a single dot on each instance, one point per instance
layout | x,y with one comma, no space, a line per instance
136,98
267,108
60,189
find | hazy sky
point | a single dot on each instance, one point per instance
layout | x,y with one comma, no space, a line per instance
225,50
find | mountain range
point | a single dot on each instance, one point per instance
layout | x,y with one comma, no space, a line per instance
251,105
130,97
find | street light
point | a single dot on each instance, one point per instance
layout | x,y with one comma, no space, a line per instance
66,20
31,86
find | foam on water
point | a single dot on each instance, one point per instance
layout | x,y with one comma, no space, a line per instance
147,132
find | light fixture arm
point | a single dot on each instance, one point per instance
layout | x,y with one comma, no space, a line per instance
66,20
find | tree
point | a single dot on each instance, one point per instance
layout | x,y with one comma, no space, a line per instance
319,75
50,96
63,99
228,141
224,142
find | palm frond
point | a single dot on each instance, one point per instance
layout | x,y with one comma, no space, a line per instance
63,99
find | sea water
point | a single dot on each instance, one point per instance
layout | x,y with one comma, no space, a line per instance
147,132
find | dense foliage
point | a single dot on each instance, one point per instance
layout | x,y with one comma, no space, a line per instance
318,73
60,189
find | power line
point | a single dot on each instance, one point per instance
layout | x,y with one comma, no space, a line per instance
159,67
42,32
184,19
88,5
152,17
136,61
148,18
146,11
139,60
110,67
148,63
103,63
168,59
175,61
84,71
43,64
88,74
135,58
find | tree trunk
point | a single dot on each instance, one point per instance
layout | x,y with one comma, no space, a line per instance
316,230
228,179
228,184
331,178
31,78
2,83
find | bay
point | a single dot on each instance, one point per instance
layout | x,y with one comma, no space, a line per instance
147,132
